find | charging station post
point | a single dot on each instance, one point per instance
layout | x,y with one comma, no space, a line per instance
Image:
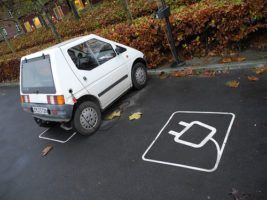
164,13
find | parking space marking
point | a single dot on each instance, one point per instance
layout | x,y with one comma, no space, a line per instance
53,139
193,145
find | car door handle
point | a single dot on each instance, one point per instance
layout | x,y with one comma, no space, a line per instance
84,78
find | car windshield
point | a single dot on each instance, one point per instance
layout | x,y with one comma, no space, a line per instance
37,76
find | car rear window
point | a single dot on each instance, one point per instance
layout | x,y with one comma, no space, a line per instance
37,76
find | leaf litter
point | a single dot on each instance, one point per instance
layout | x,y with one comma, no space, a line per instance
232,83
135,116
236,195
232,59
261,70
253,78
46,150
114,114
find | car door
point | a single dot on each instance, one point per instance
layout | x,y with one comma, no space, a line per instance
101,71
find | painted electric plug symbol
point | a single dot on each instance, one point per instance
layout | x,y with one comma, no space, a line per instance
209,137
189,139
188,126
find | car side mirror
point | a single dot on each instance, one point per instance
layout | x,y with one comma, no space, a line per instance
120,50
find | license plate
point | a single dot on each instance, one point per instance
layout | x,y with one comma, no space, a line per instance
40,110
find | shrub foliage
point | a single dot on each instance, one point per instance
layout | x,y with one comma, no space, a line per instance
198,27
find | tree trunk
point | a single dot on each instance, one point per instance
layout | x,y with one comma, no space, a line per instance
73,9
7,42
52,26
127,11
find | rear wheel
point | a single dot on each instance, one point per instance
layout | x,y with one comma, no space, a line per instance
139,75
87,118
43,123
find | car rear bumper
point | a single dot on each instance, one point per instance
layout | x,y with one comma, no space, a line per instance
56,113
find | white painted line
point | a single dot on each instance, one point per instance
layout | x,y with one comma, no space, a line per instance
219,150
187,127
51,139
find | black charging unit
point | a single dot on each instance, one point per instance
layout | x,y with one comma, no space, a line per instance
164,12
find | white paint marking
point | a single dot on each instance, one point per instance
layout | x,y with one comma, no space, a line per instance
187,127
219,150
51,139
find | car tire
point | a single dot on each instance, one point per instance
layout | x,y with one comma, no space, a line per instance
87,118
139,75
43,123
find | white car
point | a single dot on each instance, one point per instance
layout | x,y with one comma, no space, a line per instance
75,80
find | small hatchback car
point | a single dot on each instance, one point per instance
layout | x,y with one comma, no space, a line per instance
72,82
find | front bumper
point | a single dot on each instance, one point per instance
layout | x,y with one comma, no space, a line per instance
56,113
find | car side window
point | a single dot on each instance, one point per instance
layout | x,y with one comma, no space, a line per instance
83,57
90,54
103,51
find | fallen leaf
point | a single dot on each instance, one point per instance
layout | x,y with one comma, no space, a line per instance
232,59
178,74
163,75
239,196
232,84
188,71
212,53
114,114
238,59
209,73
225,60
46,150
253,78
261,70
135,116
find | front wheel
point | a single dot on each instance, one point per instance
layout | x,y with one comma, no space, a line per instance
87,118
139,76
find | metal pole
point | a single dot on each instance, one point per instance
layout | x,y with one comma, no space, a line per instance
170,38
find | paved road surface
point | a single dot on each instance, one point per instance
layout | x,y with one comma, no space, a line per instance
109,165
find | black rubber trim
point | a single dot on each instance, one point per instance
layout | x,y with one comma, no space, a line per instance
112,86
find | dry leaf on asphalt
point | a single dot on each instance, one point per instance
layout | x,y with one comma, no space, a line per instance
135,116
253,78
114,114
239,196
232,84
46,150
163,75
261,70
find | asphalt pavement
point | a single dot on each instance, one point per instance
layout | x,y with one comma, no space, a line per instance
109,164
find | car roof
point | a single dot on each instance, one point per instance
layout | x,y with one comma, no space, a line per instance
55,47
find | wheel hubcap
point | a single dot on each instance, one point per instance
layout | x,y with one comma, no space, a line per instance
88,118
140,75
